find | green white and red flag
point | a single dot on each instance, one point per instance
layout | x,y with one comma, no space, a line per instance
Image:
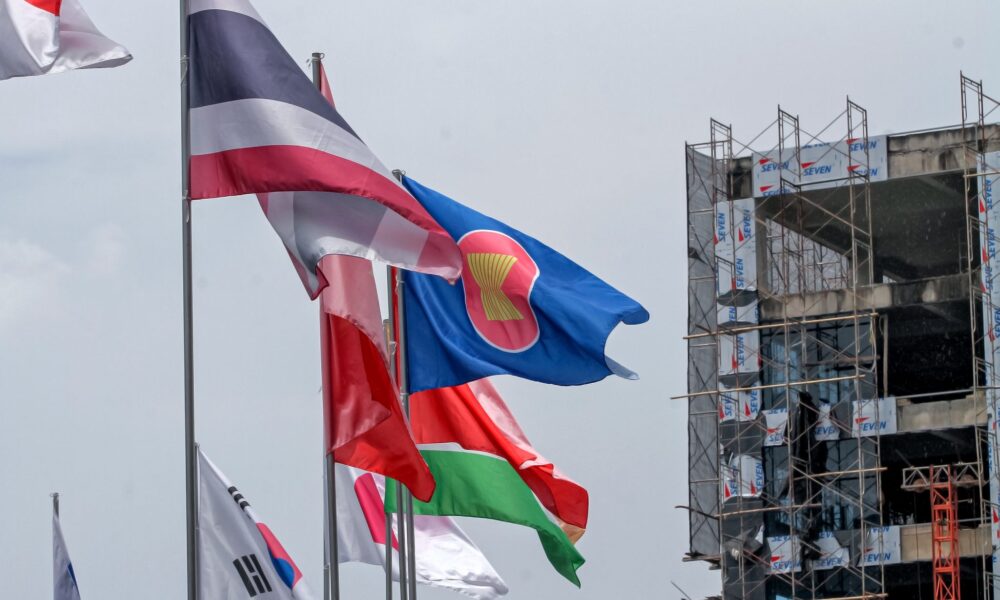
485,467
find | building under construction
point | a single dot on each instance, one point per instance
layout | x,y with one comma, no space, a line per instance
843,324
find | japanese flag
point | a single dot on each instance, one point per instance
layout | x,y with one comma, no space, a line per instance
50,36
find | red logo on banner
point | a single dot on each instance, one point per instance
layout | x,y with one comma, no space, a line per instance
498,277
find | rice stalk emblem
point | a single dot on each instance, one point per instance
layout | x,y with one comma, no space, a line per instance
490,270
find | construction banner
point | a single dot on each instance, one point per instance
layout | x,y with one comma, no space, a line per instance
785,554
832,554
873,417
881,548
821,166
825,430
776,421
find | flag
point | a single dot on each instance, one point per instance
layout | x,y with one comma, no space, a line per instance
521,309
485,467
51,36
445,557
259,125
476,414
315,224
365,427
238,555
63,577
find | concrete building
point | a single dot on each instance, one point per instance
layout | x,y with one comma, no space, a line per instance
842,344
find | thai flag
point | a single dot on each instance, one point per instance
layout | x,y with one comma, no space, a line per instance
50,36
259,125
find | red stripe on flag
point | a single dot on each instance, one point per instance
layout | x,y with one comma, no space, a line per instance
373,508
455,415
50,6
296,168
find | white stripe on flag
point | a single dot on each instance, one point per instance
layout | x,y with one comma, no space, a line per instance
316,224
257,122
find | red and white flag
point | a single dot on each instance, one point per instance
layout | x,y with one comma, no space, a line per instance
50,36
445,556
364,420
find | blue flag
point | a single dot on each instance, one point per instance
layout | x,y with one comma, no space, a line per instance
520,308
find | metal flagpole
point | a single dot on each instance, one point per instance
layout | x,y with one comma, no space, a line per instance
391,348
406,524
331,583
403,536
333,568
190,454
55,503
411,558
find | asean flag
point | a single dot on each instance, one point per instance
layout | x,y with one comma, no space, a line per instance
50,36
520,308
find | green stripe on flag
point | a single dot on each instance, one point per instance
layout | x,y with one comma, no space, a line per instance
478,485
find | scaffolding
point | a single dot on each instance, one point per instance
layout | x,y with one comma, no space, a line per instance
793,511
789,382
981,168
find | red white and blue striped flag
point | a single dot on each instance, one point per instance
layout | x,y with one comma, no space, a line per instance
259,125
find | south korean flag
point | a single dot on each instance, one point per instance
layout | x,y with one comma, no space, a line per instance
238,556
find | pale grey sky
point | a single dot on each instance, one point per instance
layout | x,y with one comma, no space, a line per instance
566,119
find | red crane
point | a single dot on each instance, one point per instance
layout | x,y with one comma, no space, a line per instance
944,533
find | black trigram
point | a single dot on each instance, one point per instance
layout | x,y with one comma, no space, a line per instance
252,575
238,497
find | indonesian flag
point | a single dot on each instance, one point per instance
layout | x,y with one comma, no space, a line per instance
445,556
259,125
238,555
51,36
485,467
364,420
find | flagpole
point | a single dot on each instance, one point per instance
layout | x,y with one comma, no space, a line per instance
190,454
331,582
55,503
404,394
403,550
411,558
390,347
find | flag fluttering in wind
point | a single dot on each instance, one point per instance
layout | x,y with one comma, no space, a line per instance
63,577
238,555
50,36
365,427
445,556
521,309
485,467
259,125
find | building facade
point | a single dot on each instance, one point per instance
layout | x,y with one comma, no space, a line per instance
843,326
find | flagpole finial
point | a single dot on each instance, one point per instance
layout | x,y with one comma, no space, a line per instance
398,174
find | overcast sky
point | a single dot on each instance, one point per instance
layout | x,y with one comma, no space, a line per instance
566,119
